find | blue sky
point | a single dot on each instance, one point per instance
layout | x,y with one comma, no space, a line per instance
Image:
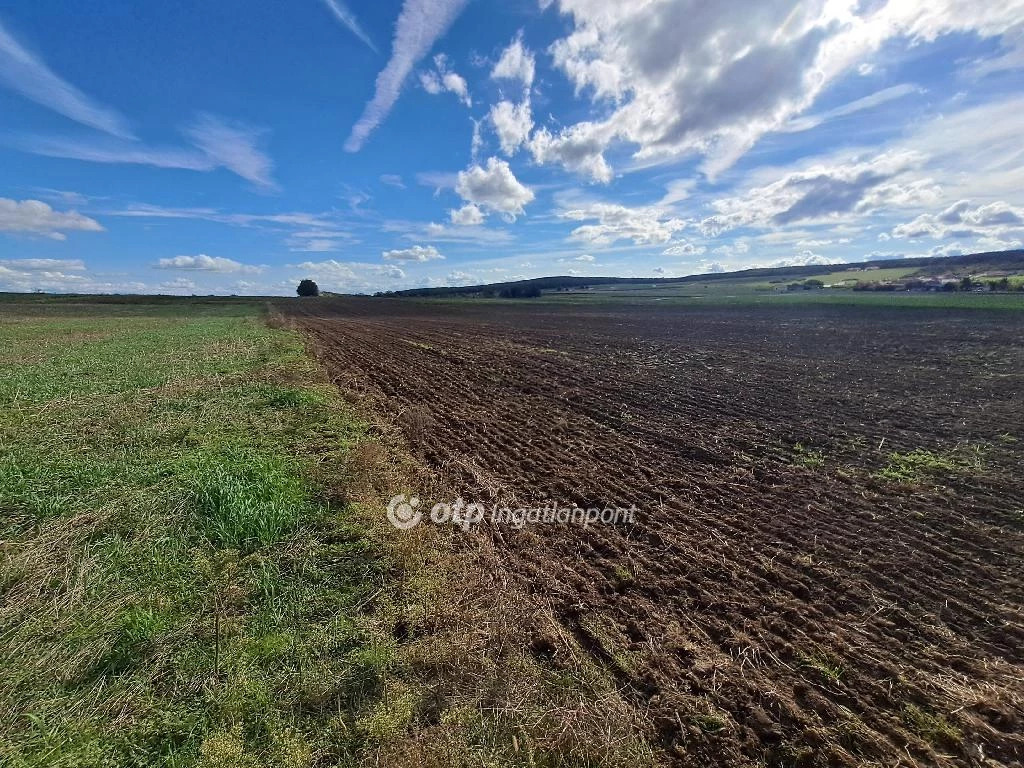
231,147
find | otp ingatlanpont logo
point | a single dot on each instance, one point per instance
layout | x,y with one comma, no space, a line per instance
404,514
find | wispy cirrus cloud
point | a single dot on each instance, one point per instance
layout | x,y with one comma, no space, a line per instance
345,15
44,265
420,24
24,72
216,143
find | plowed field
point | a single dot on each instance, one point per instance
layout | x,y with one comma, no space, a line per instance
826,566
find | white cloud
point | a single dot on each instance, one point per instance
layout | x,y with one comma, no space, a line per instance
346,277
461,278
977,151
713,267
22,71
805,258
643,225
684,248
459,233
444,79
494,188
392,180
415,253
455,83
823,191
420,24
437,179
579,149
431,83
468,215
178,285
291,219
713,79
217,144
512,123
343,14
516,63
962,221
38,218
57,281
44,265
868,102
204,263
477,143
317,240
232,146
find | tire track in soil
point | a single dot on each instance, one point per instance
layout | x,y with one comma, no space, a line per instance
750,576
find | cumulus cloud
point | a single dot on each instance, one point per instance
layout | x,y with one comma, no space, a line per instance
420,24
805,258
579,149
442,79
56,281
204,263
643,225
27,74
37,218
461,278
512,123
178,285
824,191
347,277
961,220
392,180
345,15
415,253
684,248
495,188
468,215
516,63
683,78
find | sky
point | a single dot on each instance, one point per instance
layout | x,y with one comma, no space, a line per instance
236,148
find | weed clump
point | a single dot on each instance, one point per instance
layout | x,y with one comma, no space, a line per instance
933,728
244,501
921,465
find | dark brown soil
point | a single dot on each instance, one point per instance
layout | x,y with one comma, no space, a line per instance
775,601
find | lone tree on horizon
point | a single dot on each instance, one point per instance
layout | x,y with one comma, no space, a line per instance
308,288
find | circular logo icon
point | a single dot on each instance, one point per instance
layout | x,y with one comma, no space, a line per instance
402,513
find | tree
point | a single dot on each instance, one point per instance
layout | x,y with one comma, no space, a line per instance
308,288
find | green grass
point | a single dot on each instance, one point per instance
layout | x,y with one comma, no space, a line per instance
921,465
182,582
178,584
868,276
830,669
812,458
931,727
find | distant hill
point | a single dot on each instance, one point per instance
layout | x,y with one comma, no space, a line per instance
957,266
